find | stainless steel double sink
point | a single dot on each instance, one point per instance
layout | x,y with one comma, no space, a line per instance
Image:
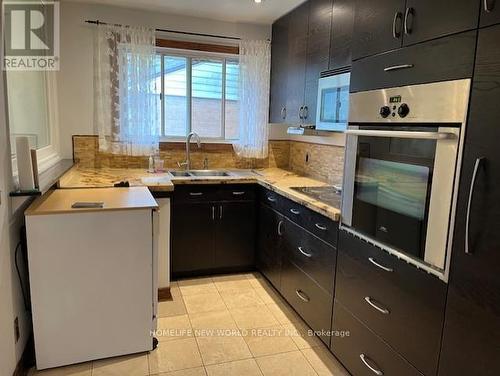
199,173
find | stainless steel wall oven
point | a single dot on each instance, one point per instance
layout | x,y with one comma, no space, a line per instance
403,158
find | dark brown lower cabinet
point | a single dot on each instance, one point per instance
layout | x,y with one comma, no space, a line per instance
193,237
269,248
235,235
213,230
471,339
361,351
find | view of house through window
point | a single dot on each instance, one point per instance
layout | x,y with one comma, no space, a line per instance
199,94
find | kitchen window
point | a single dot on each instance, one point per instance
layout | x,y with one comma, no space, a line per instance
199,93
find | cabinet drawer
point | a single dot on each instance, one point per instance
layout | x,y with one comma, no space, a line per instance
362,352
400,303
270,198
448,58
312,302
319,225
237,192
195,193
315,257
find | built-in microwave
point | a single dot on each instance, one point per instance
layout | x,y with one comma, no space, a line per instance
333,102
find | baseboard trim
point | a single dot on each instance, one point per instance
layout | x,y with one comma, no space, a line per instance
164,294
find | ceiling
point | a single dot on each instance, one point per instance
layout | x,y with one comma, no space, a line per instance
244,11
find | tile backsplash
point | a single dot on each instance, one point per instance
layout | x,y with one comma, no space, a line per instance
322,162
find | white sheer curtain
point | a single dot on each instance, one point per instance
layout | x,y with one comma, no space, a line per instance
126,108
255,68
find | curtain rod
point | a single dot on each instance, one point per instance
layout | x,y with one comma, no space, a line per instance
97,22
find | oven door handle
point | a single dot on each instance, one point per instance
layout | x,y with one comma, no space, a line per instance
402,134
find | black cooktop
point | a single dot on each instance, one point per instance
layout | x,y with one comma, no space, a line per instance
329,195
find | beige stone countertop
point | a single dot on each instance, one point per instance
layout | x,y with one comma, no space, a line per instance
275,179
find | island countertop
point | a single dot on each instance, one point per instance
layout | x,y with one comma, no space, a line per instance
274,179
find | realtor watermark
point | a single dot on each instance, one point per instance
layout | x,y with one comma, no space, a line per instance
31,30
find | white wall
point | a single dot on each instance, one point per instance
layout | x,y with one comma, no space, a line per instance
75,79
11,301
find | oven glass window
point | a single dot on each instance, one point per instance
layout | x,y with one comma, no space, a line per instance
335,105
392,189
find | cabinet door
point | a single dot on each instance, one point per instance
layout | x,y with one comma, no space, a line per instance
378,26
490,12
471,340
193,237
429,19
341,35
235,235
296,72
269,244
318,53
279,71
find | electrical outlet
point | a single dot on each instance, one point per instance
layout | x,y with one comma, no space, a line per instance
16,329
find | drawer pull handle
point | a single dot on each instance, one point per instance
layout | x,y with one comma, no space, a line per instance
372,260
398,67
238,193
280,225
364,358
195,193
271,199
301,250
295,211
369,300
321,227
302,296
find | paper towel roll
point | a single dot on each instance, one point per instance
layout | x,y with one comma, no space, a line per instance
24,164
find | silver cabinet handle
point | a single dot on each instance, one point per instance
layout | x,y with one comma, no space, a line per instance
395,33
469,204
372,260
302,296
301,250
301,113
402,134
409,12
321,227
295,211
195,193
271,199
283,113
238,193
398,67
280,224
220,212
364,358
213,213
487,6
369,300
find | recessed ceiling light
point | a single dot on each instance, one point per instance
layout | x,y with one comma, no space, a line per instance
258,1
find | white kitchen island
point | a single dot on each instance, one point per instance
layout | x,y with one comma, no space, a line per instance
93,274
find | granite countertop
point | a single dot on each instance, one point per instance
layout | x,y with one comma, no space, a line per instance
275,179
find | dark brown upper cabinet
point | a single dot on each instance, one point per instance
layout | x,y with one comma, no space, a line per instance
490,12
378,27
279,72
385,25
318,53
341,34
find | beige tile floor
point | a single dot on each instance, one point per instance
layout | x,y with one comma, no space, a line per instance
218,326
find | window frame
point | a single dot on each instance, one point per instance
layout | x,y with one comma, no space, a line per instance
48,155
191,54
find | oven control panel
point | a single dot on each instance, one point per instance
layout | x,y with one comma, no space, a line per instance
395,106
